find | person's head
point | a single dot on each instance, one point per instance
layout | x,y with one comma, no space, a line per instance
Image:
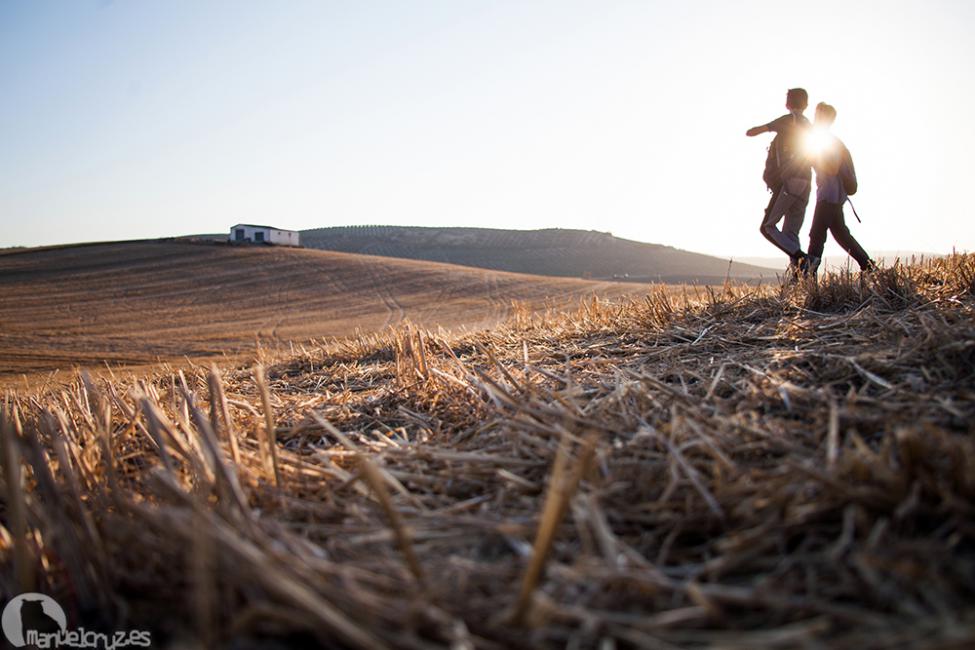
825,115
797,99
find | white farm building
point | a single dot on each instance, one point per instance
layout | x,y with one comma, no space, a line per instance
250,233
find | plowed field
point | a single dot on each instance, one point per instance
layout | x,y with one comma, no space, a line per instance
137,303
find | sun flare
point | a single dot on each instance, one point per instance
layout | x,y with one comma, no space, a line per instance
818,141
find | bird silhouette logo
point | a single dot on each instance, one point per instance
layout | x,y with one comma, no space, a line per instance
32,612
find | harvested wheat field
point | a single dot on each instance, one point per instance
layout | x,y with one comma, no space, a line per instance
744,468
138,303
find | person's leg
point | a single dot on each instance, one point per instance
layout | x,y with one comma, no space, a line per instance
793,224
781,204
841,233
768,221
822,218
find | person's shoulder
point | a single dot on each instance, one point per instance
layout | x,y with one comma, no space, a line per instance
788,121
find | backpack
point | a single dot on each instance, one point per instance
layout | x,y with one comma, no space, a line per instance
782,154
773,164
847,173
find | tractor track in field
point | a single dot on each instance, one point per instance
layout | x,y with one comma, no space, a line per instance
395,311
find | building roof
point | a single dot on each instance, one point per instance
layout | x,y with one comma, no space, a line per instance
254,225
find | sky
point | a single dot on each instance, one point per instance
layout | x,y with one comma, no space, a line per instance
138,119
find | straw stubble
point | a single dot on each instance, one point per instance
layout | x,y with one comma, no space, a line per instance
749,467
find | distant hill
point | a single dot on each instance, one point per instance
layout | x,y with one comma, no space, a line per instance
553,252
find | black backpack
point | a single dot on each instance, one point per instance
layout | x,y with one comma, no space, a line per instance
847,173
773,164
782,154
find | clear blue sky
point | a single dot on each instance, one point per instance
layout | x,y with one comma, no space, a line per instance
123,120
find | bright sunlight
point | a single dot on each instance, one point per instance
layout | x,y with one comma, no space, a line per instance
818,141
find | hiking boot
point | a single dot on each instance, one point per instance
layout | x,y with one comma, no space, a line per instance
804,266
812,265
798,265
868,270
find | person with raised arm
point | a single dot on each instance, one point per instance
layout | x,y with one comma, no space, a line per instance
788,175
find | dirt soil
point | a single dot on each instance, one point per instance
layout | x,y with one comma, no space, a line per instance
138,303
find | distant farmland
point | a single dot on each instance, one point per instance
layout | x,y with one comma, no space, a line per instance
555,252
138,302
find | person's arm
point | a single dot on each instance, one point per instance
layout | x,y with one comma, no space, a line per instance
775,126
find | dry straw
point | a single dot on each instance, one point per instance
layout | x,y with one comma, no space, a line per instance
744,467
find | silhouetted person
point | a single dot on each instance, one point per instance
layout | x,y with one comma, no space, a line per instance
33,617
788,174
832,163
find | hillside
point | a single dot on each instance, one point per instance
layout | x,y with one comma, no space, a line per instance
556,252
750,468
136,302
